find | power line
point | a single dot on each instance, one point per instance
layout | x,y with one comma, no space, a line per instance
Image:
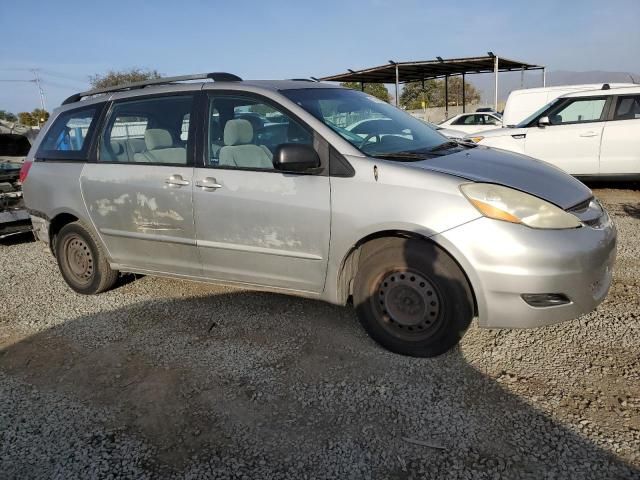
80,79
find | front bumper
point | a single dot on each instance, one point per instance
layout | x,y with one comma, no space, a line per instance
503,261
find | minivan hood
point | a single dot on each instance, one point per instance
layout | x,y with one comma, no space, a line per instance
483,164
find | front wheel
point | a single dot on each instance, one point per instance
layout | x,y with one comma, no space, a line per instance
412,298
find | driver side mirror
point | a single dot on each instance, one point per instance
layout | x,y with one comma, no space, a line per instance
295,157
544,122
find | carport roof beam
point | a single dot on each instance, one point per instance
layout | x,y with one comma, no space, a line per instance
418,71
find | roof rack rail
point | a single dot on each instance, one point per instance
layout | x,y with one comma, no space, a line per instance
606,86
215,76
301,80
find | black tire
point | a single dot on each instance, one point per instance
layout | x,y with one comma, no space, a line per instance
82,260
413,298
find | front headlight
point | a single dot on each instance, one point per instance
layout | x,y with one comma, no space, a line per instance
509,205
475,139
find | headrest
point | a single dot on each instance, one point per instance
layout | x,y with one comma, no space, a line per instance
238,132
156,138
117,147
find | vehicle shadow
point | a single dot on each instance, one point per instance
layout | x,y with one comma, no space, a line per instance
632,210
612,184
265,385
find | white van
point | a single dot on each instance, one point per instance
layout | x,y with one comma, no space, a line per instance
522,103
595,133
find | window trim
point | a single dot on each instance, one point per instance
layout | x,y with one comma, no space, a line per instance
203,143
614,106
83,155
603,115
191,140
462,117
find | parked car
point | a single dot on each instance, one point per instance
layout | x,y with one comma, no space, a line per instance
523,103
376,128
420,233
447,132
588,134
473,122
487,109
14,147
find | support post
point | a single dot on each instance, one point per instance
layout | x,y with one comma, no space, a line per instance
397,86
464,98
362,86
425,102
446,96
544,76
495,72
522,78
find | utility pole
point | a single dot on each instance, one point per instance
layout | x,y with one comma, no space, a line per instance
37,82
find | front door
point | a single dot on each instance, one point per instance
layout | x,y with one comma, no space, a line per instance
254,224
139,191
572,140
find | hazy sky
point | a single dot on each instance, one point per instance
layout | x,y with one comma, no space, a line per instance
70,40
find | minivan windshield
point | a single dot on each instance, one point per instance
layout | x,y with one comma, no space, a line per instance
371,125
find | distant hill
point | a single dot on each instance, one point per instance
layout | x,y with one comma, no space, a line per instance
511,81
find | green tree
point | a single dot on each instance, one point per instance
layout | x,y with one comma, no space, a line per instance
378,90
40,115
413,94
32,119
113,77
8,116
25,118
433,93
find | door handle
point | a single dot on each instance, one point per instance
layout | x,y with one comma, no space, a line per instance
208,183
589,134
176,181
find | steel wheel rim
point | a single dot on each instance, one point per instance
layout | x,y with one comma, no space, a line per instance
79,259
409,304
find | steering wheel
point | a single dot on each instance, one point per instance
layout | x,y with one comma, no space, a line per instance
369,137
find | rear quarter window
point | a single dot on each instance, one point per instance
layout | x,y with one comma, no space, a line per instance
70,134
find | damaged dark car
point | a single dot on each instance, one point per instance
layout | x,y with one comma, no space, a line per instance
14,218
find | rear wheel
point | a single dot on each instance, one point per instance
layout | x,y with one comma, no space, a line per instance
412,298
82,260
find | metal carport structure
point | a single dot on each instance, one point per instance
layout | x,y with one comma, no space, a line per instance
403,72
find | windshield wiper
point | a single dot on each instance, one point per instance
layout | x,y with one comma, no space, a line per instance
399,156
444,146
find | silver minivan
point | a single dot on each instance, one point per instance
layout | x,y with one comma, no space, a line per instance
298,187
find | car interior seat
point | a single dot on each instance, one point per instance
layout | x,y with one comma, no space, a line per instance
238,151
114,152
160,148
214,138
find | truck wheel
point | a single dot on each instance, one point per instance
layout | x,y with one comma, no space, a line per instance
412,298
82,260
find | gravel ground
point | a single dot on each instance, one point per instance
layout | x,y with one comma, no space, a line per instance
162,378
